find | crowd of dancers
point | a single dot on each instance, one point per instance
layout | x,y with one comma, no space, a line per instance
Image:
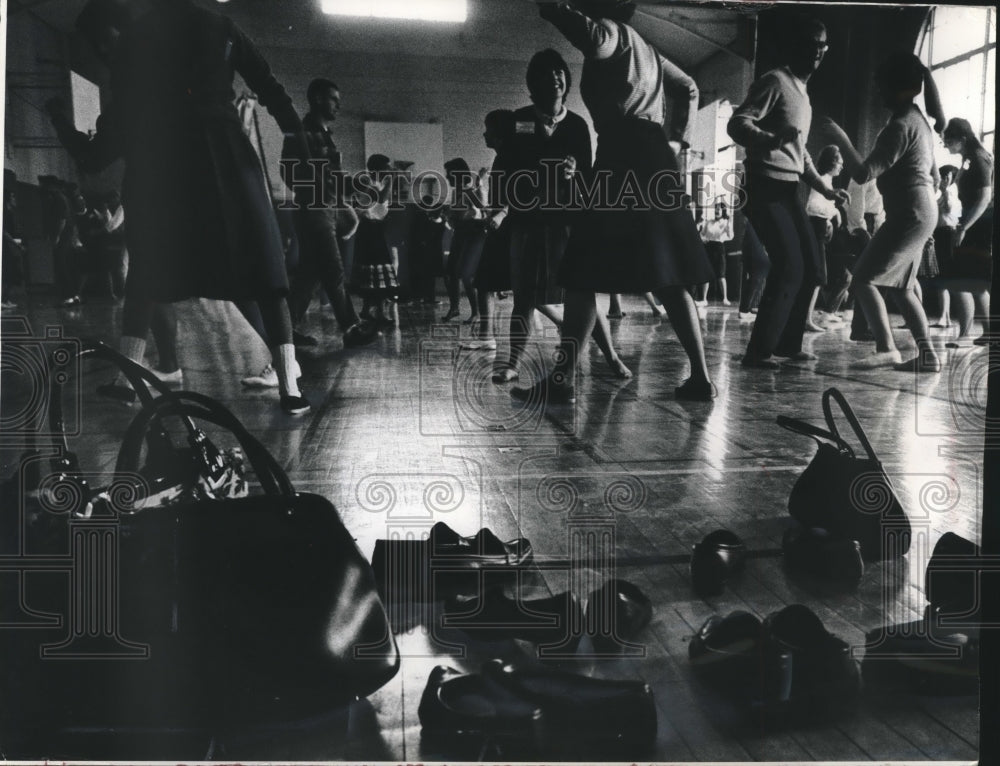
553,222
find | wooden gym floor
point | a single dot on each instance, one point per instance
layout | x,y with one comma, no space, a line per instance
410,431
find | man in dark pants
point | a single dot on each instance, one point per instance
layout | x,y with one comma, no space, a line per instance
772,125
320,215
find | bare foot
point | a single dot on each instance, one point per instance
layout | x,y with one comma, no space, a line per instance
619,369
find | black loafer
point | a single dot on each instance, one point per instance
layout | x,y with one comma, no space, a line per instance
484,549
360,334
714,560
472,704
616,612
588,714
817,553
556,621
913,657
807,669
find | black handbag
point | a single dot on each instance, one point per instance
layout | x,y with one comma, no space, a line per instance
198,614
849,496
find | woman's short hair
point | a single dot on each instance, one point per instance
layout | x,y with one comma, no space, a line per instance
615,10
457,165
542,63
959,129
828,158
901,71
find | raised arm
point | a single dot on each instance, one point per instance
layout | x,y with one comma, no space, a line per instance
683,92
254,69
594,39
91,153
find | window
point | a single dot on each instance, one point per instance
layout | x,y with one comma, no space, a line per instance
959,46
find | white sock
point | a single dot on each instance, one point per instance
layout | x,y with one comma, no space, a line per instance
283,358
133,349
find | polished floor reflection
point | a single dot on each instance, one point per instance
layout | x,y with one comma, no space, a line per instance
411,431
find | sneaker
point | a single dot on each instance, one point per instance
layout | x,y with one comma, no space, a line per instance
295,405
877,360
747,316
173,378
267,378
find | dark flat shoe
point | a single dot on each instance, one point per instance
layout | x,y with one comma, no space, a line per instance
360,334
815,552
482,549
306,341
555,621
616,612
458,703
593,712
728,648
714,560
808,670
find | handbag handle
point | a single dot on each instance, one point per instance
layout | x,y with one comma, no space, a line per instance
834,394
189,404
140,378
808,429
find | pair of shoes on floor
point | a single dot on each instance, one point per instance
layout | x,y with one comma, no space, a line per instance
548,711
878,360
268,377
692,390
717,558
819,554
746,317
614,614
440,566
550,390
915,658
787,664
360,333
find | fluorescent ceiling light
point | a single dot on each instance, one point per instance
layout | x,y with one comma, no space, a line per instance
423,10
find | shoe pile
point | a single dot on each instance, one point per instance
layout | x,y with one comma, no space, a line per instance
534,711
817,553
614,614
786,666
938,654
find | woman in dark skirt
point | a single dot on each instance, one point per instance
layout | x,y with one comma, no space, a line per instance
200,220
374,262
641,239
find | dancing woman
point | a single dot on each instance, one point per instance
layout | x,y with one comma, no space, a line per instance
639,102
907,176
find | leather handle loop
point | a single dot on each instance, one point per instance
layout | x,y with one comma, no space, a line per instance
188,404
834,394
808,429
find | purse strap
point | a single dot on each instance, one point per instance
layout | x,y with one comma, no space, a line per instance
834,395
808,429
187,405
